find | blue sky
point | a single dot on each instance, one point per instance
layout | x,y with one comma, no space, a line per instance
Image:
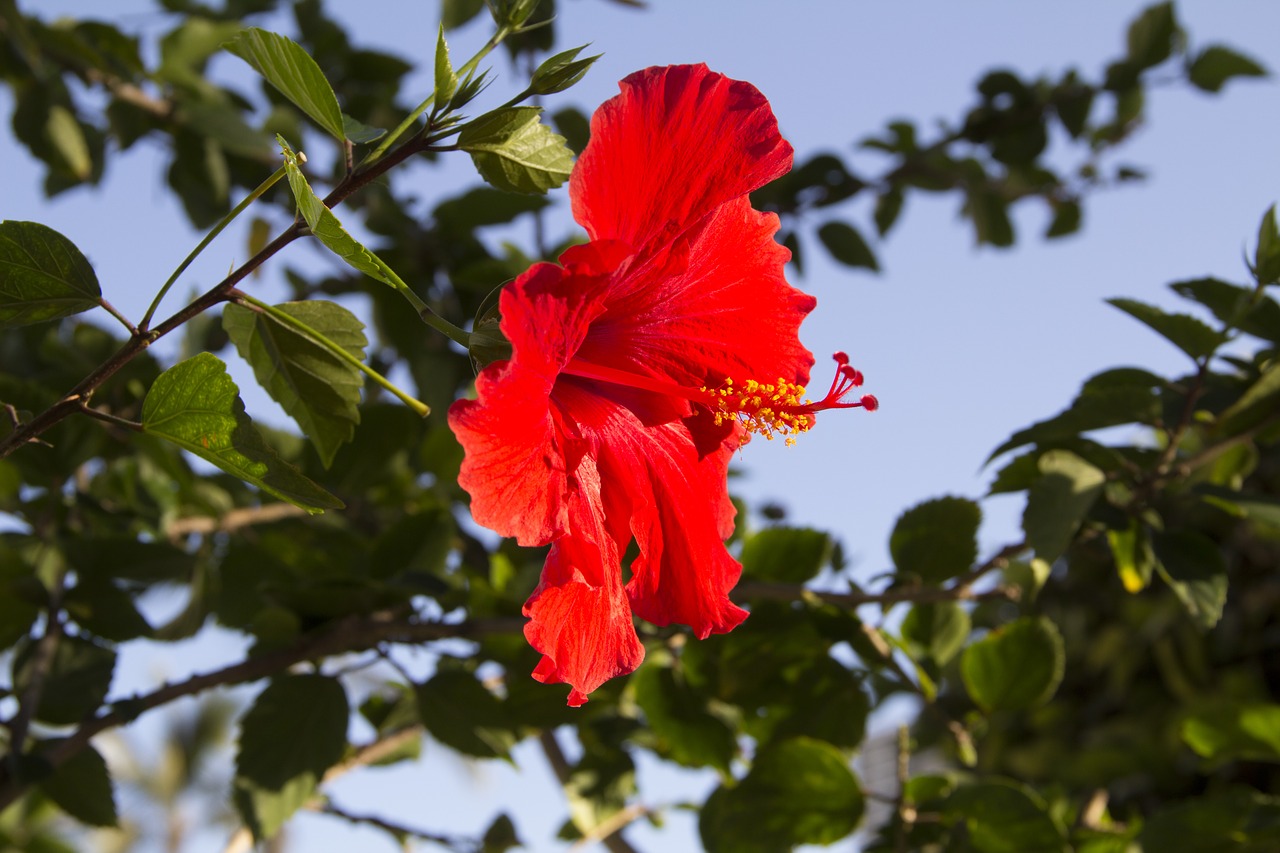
963,345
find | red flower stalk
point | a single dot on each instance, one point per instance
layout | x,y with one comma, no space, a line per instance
636,372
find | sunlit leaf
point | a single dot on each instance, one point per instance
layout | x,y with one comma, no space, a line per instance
514,151
288,67
197,406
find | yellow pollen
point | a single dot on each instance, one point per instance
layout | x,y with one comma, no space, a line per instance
767,409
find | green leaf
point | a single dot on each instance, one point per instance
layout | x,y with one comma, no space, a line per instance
1135,561
1015,667
937,630
847,246
1215,65
990,214
197,406
514,151
685,732
888,208
1187,333
799,791
1123,395
1235,305
359,132
76,679
295,731
1058,502
103,609
785,554
561,71
1256,405
288,67
460,712
327,229
67,137
1151,35
316,388
81,786
1235,731
1196,571
936,540
1004,817
1260,508
43,276
446,79
1066,219
500,836
1238,820
1266,257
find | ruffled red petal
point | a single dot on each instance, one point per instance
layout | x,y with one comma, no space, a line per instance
675,504
579,618
715,304
678,142
520,458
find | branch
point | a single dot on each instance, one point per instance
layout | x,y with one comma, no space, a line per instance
564,773
351,634
232,520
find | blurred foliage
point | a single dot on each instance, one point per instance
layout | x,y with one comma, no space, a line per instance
1109,683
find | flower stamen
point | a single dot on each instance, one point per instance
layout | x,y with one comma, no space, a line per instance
780,407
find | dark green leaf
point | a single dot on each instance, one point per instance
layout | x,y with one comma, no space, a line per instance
1260,508
289,68
1059,501
990,215
103,609
575,127
1266,257
197,406
500,836
561,71
936,540
76,679
455,13
1123,395
1015,667
888,207
316,388
295,731
785,554
81,786
685,732
446,79
1066,219
1215,65
1255,406
847,246
1187,333
514,151
1151,35
1196,571
1238,820
460,712
1004,817
1235,731
43,276
799,791
359,132
1235,305
937,631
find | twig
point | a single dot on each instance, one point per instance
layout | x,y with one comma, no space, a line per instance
351,634
610,826
232,520
906,813
37,673
397,830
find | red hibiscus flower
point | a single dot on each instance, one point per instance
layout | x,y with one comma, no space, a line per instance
636,373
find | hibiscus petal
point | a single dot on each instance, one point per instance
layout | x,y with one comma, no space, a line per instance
715,304
678,142
579,618
520,457
677,507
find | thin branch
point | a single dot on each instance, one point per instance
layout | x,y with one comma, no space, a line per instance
397,830
349,635
232,520
111,309
37,672
564,773
107,417
611,826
